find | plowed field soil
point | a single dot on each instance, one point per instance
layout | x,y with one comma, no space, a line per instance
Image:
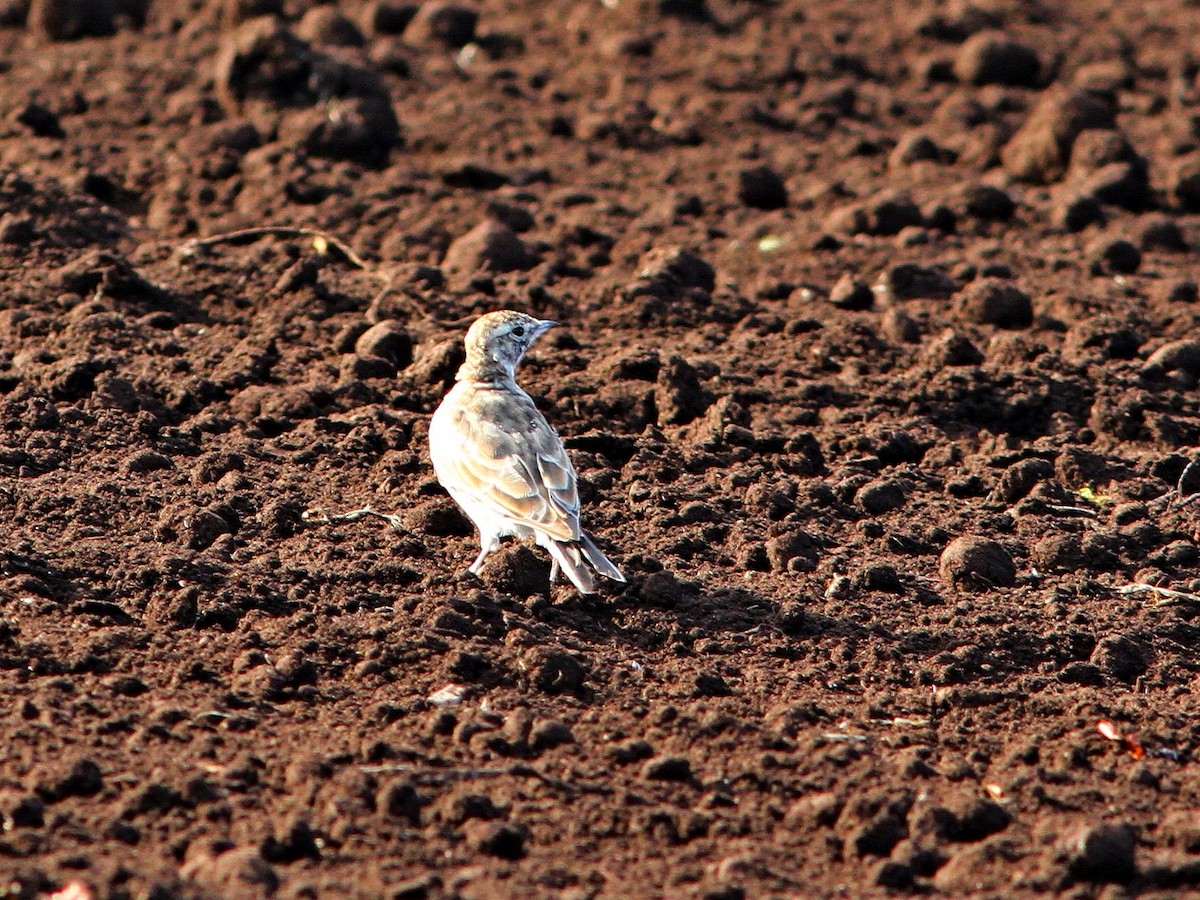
878,362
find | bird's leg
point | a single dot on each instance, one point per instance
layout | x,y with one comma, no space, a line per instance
488,548
554,570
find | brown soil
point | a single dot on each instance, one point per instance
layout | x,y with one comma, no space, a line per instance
879,366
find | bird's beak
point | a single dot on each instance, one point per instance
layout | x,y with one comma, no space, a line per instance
543,326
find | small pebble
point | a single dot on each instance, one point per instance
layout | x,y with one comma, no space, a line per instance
991,57
326,25
880,497
667,768
1183,182
1117,256
993,301
1041,148
1103,853
976,563
387,340
850,293
442,24
762,188
490,246
39,120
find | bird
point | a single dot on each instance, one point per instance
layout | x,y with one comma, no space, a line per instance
502,462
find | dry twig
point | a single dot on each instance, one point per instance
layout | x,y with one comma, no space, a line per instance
1175,496
1167,595
1082,511
320,517
322,242
189,248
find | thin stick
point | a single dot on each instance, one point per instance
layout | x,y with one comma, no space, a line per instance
1139,587
1072,510
320,517
387,278
523,770
839,738
232,237
1187,470
1162,499
1177,491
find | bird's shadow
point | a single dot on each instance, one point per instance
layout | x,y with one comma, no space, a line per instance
687,615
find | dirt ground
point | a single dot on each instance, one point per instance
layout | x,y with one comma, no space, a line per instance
879,366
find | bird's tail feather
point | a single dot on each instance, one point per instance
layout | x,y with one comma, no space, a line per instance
578,558
599,561
570,560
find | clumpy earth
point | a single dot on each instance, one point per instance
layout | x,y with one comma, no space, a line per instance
879,365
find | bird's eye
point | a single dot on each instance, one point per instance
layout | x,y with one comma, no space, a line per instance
519,331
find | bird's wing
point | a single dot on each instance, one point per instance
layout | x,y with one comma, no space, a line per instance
509,459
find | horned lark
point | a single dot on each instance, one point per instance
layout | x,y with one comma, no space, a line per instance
502,462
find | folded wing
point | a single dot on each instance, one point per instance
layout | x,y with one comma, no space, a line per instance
513,463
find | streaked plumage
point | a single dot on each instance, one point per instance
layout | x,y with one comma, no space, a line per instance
498,457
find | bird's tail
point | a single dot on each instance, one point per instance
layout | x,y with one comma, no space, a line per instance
578,558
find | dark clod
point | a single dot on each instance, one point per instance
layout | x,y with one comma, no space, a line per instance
762,188
975,563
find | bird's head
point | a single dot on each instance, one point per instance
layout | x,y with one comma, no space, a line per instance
499,340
